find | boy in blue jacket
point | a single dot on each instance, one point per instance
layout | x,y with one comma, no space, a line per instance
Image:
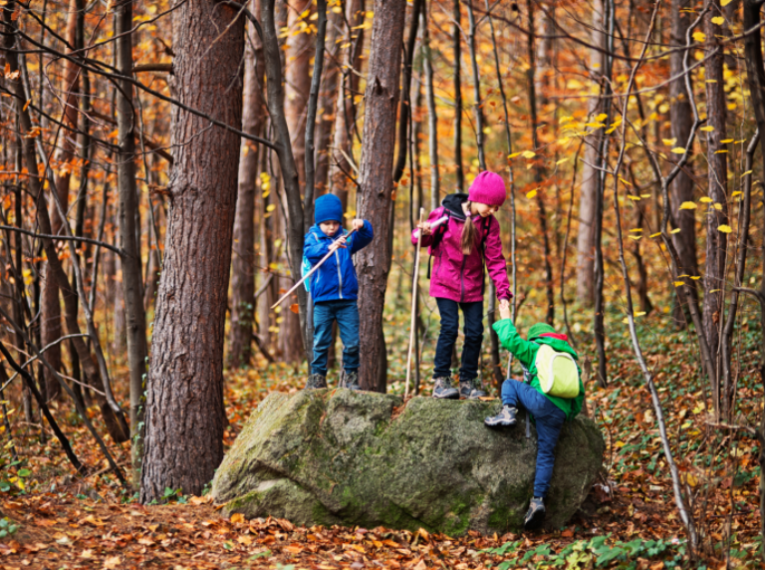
334,289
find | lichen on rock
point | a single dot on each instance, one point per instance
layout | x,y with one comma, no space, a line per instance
357,458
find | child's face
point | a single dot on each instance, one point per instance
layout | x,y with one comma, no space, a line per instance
485,210
329,227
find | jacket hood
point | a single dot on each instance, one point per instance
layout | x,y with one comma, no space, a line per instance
453,203
558,345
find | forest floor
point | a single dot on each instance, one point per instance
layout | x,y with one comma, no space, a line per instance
50,519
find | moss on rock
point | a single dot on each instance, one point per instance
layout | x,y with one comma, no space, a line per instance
339,457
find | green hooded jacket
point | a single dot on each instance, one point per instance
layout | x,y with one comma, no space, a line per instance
526,352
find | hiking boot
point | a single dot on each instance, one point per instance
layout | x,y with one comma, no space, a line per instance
316,381
350,380
535,516
505,417
444,390
471,390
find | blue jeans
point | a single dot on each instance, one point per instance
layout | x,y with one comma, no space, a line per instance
346,313
549,420
450,326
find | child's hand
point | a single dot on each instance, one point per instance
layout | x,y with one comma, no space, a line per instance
357,224
504,309
340,242
425,228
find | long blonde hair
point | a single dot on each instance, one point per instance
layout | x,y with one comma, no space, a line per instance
469,233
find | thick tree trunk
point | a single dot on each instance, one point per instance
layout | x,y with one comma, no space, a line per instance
682,119
717,241
585,246
185,415
340,170
243,256
457,61
51,306
375,202
132,284
427,61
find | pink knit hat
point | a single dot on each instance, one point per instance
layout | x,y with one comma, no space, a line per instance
487,188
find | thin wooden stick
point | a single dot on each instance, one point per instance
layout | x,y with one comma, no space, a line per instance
313,270
413,322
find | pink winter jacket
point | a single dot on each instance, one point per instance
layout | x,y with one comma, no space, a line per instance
456,276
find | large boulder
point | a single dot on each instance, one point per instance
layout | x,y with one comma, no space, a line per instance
360,458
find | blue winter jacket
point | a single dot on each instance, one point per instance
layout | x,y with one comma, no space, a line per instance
336,279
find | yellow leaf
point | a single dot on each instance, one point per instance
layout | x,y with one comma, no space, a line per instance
688,206
669,142
695,277
595,125
678,150
528,154
624,181
699,36
726,141
725,2
675,231
717,206
635,237
725,228
747,173
657,234
640,314
531,194
736,193
270,207
645,195
692,481
636,230
679,283
626,321
705,199
718,20
707,128
513,155
561,161
723,151
601,117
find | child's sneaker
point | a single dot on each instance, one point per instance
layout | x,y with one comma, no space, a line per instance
443,389
471,390
505,417
316,381
535,516
350,380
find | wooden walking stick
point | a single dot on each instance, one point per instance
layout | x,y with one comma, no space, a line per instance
413,323
313,270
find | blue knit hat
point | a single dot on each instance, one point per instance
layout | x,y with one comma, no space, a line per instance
328,208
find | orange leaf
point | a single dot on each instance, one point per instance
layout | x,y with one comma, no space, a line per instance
237,518
294,308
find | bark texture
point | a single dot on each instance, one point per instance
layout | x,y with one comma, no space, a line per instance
375,200
185,416
585,245
51,306
243,255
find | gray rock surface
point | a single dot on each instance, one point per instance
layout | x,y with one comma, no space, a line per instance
360,458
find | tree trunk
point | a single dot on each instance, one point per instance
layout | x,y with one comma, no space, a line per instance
328,102
185,415
585,246
131,258
51,306
427,61
375,201
682,119
457,59
340,170
717,241
243,256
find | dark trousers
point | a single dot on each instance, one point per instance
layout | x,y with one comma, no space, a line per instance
346,313
549,420
450,321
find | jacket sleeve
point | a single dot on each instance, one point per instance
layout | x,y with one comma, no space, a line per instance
495,261
427,240
362,237
523,350
314,248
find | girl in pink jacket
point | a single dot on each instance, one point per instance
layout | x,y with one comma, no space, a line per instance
459,247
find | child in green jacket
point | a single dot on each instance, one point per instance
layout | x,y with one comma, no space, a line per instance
549,412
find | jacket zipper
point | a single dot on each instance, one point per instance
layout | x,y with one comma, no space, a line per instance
462,278
339,273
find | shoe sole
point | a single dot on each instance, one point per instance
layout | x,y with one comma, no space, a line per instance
535,522
500,423
453,397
